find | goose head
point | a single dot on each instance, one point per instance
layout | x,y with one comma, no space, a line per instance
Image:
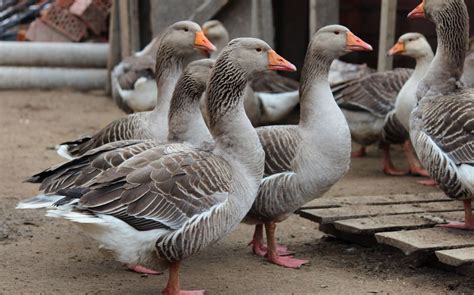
335,40
199,71
216,33
185,38
430,9
254,56
411,44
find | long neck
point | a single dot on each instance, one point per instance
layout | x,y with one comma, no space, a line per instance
423,63
234,136
185,121
452,29
325,134
168,70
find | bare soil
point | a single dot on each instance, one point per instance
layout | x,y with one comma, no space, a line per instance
49,256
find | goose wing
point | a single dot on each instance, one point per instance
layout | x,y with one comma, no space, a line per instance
121,129
271,82
449,122
81,170
375,93
164,186
280,144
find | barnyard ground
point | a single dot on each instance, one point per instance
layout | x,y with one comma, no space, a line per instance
50,256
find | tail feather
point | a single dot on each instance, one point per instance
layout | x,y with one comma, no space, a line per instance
63,151
39,201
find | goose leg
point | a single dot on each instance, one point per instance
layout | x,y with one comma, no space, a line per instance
272,253
260,248
388,167
173,288
414,164
468,218
362,152
141,269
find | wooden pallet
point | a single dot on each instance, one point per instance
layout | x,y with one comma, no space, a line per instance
406,222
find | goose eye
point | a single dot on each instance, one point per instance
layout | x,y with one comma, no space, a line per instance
337,32
258,49
186,29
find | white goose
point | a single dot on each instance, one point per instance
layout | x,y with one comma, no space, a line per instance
303,161
180,44
416,46
442,124
168,203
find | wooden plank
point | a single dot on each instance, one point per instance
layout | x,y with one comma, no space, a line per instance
430,239
375,200
456,257
134,23
328,215
388,16
371,225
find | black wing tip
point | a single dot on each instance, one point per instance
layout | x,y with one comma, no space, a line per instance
74,193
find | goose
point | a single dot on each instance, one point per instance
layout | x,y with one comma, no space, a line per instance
186,124
468,75
166,204
303,161
341,72
416,46
441,125
181,43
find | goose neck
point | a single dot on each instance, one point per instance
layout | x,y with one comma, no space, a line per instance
233,134
452,30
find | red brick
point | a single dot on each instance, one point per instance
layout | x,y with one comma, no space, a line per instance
65,22
40,32
94,13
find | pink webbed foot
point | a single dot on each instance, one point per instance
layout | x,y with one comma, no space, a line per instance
458,225
427,182
183,292
287,261
261,249
143,270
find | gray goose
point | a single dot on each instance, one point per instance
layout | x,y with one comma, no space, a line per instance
184,116
180,44
442,124
303,161
169,202
366,102
416,46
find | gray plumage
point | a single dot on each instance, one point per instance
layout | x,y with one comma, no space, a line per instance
442,125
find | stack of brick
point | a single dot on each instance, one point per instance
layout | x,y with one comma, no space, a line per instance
71,20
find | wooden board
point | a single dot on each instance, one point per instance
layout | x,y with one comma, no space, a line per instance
329,215
431,239
376,200
372,225
456,257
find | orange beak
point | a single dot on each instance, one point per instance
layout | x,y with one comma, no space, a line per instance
398,48
278,63
201,42
418,12
355,43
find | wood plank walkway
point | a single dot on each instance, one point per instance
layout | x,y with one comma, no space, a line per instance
406,222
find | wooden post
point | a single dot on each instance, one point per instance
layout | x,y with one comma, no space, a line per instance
124,16
134,25
388,18
322,13
114,43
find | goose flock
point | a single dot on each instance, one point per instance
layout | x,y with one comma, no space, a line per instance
188,164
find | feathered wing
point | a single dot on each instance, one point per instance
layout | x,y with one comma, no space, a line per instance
449,122
136,67
80,171
125,128
393,131
162,187
375,93
280,144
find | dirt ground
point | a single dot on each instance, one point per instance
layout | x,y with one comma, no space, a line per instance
49,256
